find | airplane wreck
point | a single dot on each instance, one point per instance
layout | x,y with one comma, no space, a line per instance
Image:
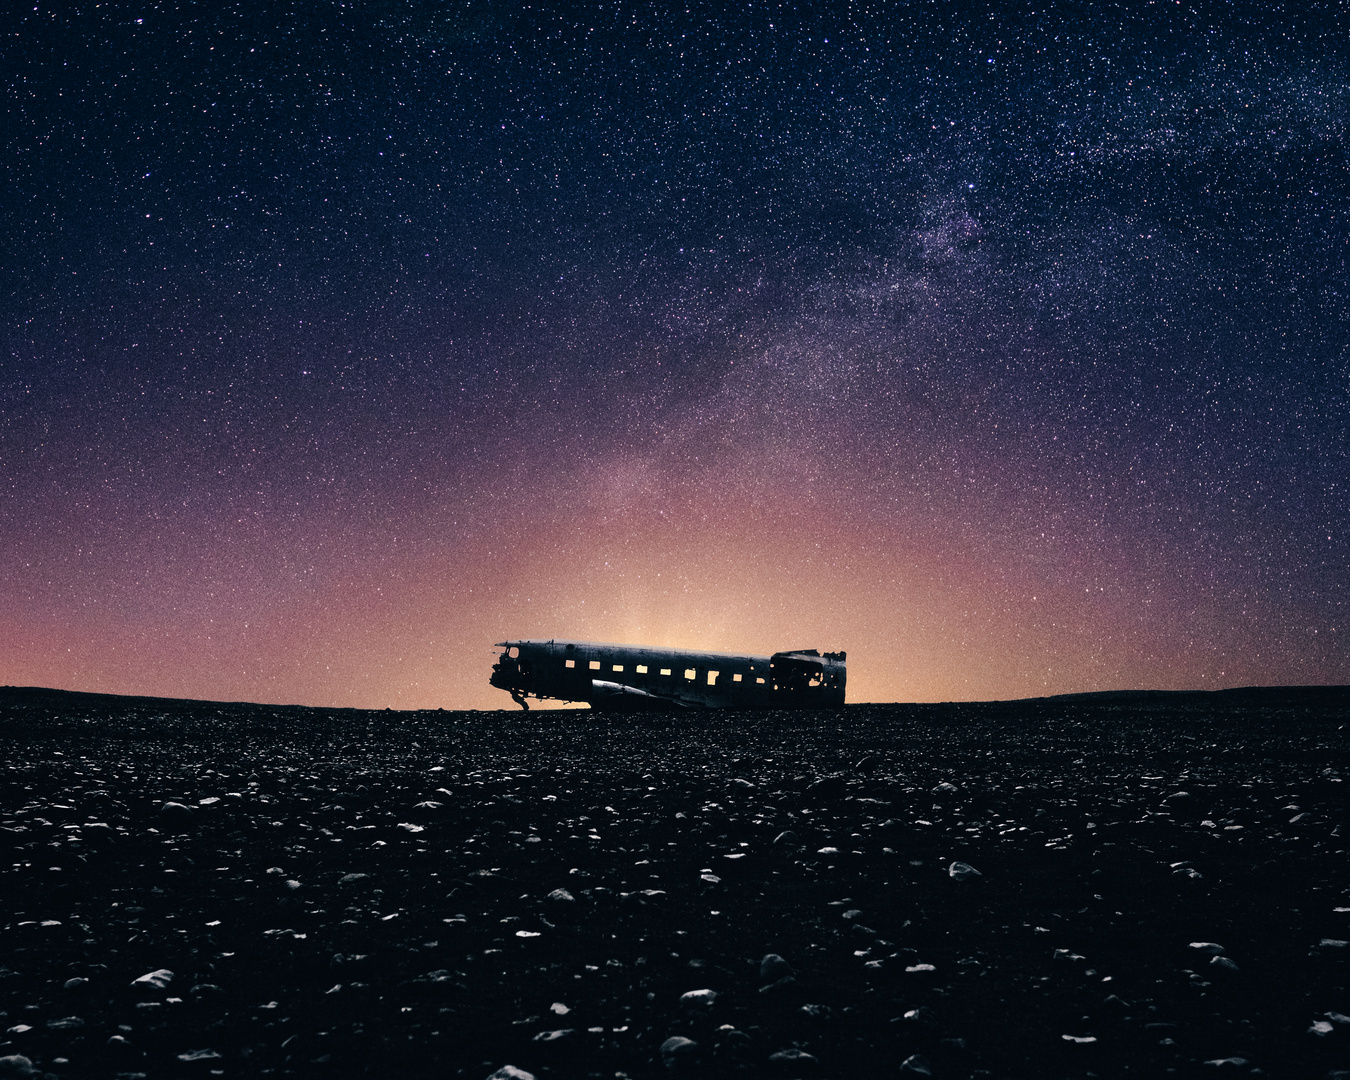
631,677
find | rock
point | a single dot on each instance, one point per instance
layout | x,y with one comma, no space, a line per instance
176,816
784,987
199,1055
793,1060
786,838
510,1072
1208,948
946,788
1228,1063
916,1065
699,1000
562,895
66,1023
961,871
75,984
1321,1027
154,980
827,787
867,765
1222,963
202,991
677,1050
14,1066
772,968
554,1036
1182,804
347,879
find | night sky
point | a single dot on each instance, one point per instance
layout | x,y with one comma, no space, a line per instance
1006,348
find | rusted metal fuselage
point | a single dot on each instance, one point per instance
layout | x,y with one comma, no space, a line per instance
638,677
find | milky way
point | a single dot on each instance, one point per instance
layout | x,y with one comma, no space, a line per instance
1005,349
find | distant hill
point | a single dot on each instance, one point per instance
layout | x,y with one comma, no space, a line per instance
1251,695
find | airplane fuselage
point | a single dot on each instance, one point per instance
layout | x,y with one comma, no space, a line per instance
638,676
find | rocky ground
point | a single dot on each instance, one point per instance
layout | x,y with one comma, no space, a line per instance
1150,885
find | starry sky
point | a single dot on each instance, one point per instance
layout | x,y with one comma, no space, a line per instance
1004,346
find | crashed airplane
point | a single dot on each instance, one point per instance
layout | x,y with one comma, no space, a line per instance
628,677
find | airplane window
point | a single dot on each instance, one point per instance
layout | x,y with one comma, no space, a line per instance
736,677
513,652
665,671
618,667
690,673
595,665
569,663
712,677
641,669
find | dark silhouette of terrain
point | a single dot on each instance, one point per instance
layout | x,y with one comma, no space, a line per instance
1121,884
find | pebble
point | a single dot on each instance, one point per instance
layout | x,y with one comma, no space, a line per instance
730,1039
961,871
561,894
175,815
773,967
677,1048
698,999
158,979
793,1058
786,985
510,1072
